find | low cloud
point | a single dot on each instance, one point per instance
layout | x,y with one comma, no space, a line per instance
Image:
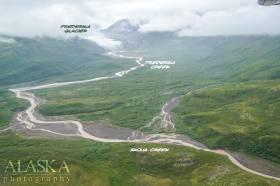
7,40
186,17
103,41
242,21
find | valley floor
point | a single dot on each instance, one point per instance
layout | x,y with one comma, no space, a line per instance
132,102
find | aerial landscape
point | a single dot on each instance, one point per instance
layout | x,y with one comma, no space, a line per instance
140,93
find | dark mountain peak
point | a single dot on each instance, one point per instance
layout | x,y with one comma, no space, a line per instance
122,26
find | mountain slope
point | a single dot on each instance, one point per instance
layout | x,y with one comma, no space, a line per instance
42,59
223,58
240,116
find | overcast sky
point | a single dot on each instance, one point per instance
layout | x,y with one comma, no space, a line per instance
186,17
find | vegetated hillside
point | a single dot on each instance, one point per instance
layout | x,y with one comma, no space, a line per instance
113,164
228,58
239,116
41,59
135,99
232,58
9,106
